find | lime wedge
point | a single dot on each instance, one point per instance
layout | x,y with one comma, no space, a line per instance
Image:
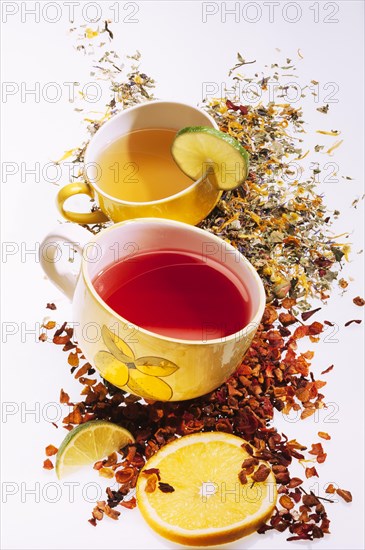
88,443
198,150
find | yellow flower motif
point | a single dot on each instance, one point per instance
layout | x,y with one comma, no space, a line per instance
140,376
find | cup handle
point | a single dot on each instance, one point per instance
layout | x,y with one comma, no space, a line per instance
78,188
60,256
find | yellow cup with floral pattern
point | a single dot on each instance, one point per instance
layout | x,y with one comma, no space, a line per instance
151,365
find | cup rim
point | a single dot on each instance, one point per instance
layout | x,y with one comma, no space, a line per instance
117,117
164,221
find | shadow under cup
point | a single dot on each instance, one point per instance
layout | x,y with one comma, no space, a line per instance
143,362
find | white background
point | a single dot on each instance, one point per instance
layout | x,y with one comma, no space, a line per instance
181,53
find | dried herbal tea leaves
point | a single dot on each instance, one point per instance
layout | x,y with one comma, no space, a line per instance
281,224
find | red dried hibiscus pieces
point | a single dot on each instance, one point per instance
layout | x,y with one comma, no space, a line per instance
272,376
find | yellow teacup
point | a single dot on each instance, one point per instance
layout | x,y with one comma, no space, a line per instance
137,360
190,205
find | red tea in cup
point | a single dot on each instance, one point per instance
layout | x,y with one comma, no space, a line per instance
177,294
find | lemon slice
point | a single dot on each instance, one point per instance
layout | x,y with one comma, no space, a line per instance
88,443
204,503
198,150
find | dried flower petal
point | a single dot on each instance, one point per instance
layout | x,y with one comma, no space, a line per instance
165,487
151,483
97,513
287,319
316,449
125,475
150,471
106,472
82,370
283,478
357,321
130,504
346,495
47,464
315,328
242,477
288,303
113,514
294,482
311,472
286,502
321,458
310,500
261,473
327,370
248,462
51,450
73,360
49,325
307,314
64,398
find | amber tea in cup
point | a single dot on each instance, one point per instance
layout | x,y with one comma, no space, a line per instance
139,166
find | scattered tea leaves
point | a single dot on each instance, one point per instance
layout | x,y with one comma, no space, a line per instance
151,483
324,435
47,464
328,369
165,487
261,474
357,321
286,502
311,472
323,109
51,450
242,477
64,398
358,301
345,495
150,471
316,449
129,504
73,360
307,314
49,325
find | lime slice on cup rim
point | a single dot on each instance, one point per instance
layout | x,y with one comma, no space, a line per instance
199,150
88,443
